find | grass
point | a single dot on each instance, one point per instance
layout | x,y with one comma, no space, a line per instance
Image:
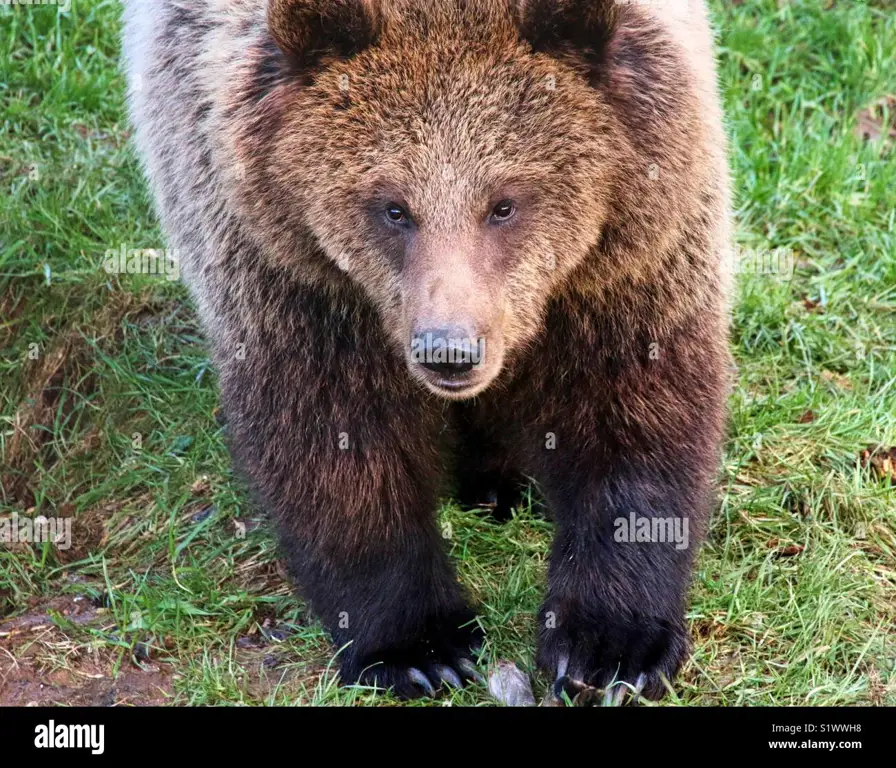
172,590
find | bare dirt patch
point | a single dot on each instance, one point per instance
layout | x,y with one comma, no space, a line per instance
40,665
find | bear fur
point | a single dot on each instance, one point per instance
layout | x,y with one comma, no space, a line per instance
335,175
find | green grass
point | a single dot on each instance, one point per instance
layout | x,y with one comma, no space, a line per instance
113,423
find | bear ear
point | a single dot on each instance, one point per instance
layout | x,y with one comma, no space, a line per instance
310,29
583,27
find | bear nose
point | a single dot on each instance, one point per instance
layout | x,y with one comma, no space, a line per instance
445,351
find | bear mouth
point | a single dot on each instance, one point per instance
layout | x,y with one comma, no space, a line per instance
457,387
454,385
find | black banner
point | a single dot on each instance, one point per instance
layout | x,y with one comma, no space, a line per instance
301,733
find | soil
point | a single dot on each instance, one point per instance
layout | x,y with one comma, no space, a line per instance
41,666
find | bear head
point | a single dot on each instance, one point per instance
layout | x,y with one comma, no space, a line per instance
451,157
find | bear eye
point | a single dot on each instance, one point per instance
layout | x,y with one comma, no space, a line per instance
396,214
503,210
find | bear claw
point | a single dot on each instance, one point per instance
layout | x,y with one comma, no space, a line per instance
422,680
445,674
468,669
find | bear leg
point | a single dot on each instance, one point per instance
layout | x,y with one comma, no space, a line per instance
343,451
628,476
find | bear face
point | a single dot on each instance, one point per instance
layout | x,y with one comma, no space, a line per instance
456,175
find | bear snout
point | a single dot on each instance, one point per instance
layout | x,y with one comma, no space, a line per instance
451,360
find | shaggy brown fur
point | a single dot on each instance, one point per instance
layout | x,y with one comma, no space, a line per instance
336,174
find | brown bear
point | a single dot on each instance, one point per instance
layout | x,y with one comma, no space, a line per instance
473,239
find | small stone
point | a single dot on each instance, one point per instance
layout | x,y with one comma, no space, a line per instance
510,686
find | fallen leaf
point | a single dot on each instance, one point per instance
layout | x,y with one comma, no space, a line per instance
882,461
837,379
201,485
788,550
813,306
870,120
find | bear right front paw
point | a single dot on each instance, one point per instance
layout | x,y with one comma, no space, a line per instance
439,658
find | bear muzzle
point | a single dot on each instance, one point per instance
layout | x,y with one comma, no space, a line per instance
452,361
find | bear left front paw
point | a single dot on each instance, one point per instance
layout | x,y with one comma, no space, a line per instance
620,655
